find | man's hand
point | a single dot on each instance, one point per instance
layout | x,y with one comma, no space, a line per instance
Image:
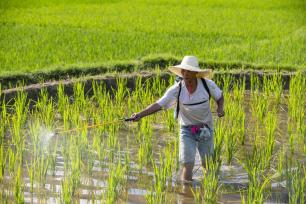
135,117
220,112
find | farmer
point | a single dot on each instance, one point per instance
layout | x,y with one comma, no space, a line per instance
191,97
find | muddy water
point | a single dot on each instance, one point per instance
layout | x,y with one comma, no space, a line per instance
232,178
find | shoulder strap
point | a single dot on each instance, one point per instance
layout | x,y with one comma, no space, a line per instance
178,100
205,86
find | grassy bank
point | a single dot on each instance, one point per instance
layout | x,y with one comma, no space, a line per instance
36,36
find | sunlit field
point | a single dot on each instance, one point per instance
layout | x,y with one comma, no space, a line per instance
80,149
43,35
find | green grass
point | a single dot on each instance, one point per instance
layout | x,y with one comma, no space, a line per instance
39,36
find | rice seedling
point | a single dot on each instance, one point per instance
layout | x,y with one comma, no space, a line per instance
296,110
3,157
295,180
259,106
45,109
34,129
170,120
90,161
42,165
234,129
210,183
161,172
18,119
31,173
12,159
62,99
273,87
3,122
258,181
66,191
116,180
18,186
52,157
99,147
270,127
219,135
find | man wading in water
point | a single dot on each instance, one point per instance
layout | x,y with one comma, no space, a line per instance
192,96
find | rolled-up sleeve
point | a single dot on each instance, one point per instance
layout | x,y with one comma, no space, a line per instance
215,91
169,99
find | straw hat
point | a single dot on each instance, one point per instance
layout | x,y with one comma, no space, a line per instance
191,63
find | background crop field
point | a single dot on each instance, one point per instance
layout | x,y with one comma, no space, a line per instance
39,35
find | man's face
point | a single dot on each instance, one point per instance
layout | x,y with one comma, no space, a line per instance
188,74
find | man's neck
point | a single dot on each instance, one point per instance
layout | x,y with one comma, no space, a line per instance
191,85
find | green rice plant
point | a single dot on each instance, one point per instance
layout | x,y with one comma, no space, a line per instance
112,142
45,109
238,91
116,180
62,99
210,185
161,174
254,83
170,155
146,148
75,171
66,121
158,85
3,121
226,79
98,146
34,132
42,165
52,157
31,173
231,140
18,119
90,161
197,194
295,180
258,181
79,95
127,161
270,127
121,91
296,110
12,160
66,156
259,106
18,186
3,157
280,163
273,88
141,157
219,134
170,120
66,191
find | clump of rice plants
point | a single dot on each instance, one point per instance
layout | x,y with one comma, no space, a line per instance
295,180
296,111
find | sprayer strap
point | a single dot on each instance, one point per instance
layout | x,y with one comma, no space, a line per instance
178,100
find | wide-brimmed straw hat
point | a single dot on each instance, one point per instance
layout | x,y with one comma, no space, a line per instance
191,63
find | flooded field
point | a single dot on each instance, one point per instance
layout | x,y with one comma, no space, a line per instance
79,149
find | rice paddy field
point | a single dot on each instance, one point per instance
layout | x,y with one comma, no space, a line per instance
40,35
79,149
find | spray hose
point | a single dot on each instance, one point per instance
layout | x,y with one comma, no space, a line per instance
95,125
